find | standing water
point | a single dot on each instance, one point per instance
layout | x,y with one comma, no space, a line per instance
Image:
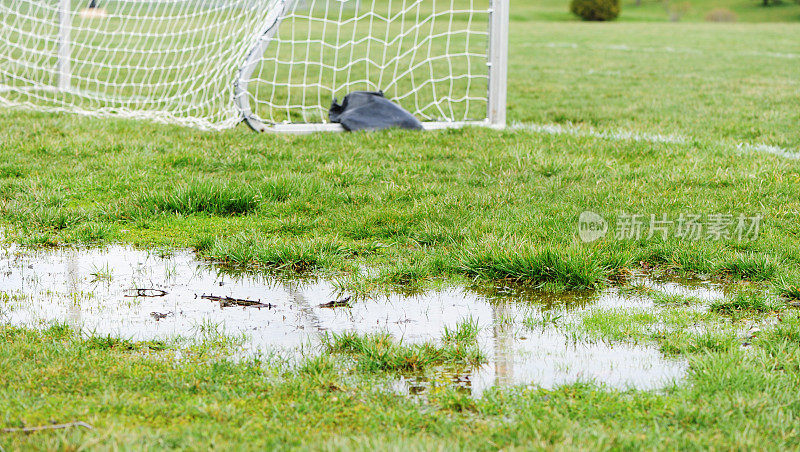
140,295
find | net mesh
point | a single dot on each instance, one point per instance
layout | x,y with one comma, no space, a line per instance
180,61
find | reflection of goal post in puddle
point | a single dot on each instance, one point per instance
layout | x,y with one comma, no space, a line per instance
276,63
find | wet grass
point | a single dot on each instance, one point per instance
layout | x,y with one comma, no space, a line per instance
461,204
749,266
465,332
712,340
788,288
746,303
298,256
439,214
674,299
573,269
678,325
408,211
136,395
618,324
101,273
115,343
381,352
544,320
211,197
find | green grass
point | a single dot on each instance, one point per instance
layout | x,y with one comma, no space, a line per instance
427,206
139,396
464,332
247,251
788,288
464,204
408,211
711,82
573,269
745,303
380,352
672,299
200,197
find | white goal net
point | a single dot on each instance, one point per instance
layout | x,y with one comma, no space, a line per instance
277,63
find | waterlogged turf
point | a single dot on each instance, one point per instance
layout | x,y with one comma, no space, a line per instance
162,349
479,319
523,337
117,339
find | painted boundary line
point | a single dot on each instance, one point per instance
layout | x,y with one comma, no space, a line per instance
622,135
665,49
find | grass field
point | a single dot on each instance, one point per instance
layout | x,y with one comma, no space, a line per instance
655,118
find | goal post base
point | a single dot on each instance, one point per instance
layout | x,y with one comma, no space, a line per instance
301,129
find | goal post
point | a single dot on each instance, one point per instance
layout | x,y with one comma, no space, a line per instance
498,63
276,64
240,93
64,30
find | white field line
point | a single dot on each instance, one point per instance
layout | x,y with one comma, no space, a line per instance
767,81
779,151
665,49
623,135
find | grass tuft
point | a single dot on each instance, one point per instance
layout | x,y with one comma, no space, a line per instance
464,332
749,266
211,197
574,269
709,341
47,217
93,233
114,343
744,303
299,255
788,288
380,352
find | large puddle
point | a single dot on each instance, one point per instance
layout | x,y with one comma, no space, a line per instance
95,290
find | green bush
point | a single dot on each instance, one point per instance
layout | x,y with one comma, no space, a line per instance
721,15
595,9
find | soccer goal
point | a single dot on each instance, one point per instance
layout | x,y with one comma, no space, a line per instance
277,64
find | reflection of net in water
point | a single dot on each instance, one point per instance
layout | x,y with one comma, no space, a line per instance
178,60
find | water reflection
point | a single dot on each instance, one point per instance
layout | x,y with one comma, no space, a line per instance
59,286
503,342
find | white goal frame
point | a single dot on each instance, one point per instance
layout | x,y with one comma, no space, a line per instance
496,70
497,86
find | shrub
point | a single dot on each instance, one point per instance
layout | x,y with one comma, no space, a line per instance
678,10
599,10
721,15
